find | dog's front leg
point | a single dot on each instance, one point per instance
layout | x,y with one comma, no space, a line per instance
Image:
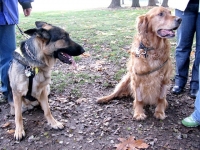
45,106
161,104
19,129
138,106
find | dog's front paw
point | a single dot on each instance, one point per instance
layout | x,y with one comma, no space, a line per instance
160,115
57,125
139,116
19,134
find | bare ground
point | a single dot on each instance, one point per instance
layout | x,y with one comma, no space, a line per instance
90,126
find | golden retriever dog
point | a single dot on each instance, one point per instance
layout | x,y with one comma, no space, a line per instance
149,68
30,71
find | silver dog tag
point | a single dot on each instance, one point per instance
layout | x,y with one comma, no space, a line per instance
28,72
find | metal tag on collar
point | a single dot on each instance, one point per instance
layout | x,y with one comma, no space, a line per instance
145,54
28,71
137,53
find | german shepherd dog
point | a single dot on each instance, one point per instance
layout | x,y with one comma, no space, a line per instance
39,54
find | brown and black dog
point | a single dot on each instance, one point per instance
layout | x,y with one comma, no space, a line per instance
39,53
149,68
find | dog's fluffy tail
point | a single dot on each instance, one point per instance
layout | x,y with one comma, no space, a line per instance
122,89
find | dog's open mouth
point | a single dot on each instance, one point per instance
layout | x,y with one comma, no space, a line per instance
65,58
167,33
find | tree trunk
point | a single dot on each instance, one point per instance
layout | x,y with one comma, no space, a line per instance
135,3
115,4
165,3
122,1
156,1
151,3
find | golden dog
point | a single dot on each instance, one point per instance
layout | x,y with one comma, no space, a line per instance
149,68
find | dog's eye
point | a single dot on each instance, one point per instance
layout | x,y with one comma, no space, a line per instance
160,14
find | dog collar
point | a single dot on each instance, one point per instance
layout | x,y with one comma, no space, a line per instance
30,54
151,71
28,69
145,50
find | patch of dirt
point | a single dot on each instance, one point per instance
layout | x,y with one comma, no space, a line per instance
90,126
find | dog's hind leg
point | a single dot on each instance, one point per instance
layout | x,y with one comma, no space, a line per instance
122,89
45,106
19,129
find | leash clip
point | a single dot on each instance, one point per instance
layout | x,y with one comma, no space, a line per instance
28,71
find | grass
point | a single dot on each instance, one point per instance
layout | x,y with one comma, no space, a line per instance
106,32
97,27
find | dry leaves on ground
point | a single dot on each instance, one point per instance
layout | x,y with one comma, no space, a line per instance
131,144
6,125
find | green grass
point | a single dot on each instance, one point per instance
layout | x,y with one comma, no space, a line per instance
105,32
97,27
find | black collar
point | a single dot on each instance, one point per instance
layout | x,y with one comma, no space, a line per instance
145,50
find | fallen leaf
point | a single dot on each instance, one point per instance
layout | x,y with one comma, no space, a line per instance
86,54
80,100
131,144
6,125
11,131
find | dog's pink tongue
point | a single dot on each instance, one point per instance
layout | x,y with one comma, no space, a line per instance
73,63
167,32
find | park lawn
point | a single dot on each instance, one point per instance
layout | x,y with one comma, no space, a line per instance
105,34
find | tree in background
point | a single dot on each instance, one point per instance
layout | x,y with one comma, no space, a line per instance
135,3
151,3
165,3
114,4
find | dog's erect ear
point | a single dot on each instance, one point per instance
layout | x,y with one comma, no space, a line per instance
44,25
40,24
42,33
30,32
142,24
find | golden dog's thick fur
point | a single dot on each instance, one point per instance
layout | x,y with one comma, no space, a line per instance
149,68
39,52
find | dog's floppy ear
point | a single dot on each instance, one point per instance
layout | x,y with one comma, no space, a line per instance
142,24
42,33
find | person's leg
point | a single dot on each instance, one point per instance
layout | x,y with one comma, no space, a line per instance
7,47
185,35
194,83
196,113
194,119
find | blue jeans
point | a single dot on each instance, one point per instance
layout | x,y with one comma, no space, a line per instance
7,47
196,113
185,34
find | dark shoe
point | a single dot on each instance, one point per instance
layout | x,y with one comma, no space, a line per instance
177,90
193,93
3,98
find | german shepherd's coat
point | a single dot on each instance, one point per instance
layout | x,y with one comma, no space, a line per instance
47,42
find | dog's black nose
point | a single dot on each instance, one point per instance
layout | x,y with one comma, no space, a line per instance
82,50
178,19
